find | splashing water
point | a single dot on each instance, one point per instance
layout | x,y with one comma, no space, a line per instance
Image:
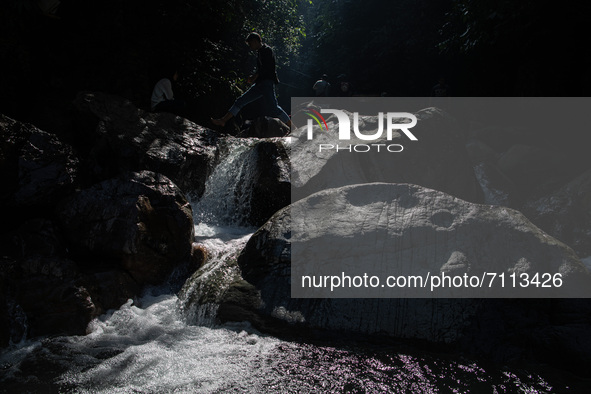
228,190
158,344
149,348
223,245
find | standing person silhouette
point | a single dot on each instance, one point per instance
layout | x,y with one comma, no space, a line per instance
263,85
322,87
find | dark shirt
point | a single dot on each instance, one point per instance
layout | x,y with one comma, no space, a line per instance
266,64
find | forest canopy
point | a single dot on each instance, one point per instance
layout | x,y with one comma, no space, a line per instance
53,49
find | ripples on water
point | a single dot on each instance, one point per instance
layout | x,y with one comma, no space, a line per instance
149,349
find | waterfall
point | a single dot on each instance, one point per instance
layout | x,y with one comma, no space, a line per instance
147,346
228,190
221,217
199,298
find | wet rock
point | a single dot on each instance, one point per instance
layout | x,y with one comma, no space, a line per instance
438,159
198,256
54,306
38,237
566,214
250,183
43,297
43,292
140,222
53,296
203,291
271,185
430,231
265,127
110,289
37,169
496,187
129,139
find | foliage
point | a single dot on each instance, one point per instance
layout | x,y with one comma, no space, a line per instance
124,47
483,47
380,45
525,47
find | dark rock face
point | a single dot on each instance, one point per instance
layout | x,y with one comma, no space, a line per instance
566,214
271,181
113,239
41,296
265,127
141,221
129,139
438,159
44,295
42,292
37,169
52,300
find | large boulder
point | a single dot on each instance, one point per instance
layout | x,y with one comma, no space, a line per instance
129,139
438,159
427,231
270,182
43,292
42,296
566,214
51,298
37,169
141,222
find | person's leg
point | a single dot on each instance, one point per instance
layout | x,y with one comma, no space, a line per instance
253,93
173,106
271,106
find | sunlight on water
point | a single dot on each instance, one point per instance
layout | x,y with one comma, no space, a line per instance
148,348
228,189
167,343
223,245
158,352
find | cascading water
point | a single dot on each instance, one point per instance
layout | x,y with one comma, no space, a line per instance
228,191
219,216
164,343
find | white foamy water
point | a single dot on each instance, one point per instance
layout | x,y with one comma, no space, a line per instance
157,345
148,348
223,245
160,353
229,188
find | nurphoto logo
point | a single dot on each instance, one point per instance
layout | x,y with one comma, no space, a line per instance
392,123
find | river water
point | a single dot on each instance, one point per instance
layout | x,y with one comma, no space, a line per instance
152,345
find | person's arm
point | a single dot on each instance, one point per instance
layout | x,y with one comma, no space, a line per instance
167,89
